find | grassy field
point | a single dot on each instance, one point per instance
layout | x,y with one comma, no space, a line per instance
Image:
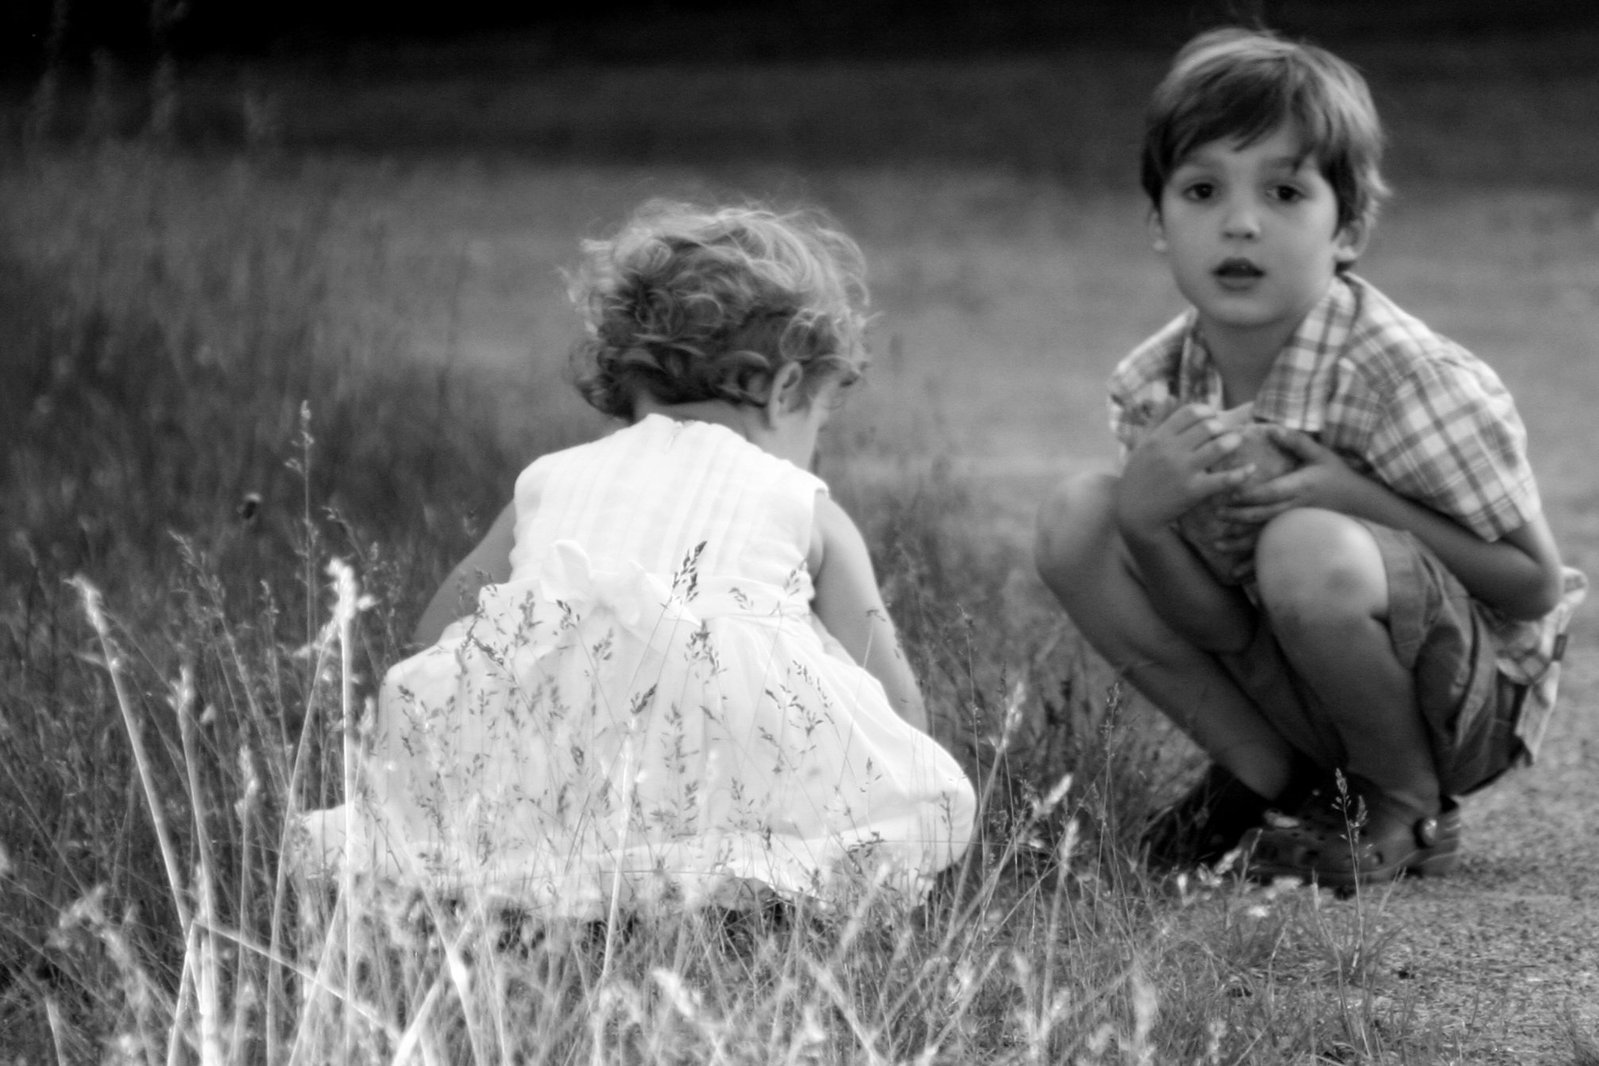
226,369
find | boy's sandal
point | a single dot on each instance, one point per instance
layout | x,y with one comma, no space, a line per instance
1330,848
1204,824
1214,817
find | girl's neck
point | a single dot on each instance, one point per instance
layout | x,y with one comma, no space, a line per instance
718,412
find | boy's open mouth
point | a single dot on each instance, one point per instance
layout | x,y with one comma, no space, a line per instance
1239,269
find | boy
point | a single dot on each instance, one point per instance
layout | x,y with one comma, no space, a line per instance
1387,639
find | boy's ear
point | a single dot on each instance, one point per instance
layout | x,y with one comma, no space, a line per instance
1350,241
1157,230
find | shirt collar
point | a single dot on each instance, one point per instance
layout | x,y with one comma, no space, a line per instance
1301,379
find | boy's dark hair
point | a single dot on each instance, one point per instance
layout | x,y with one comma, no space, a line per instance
1241,84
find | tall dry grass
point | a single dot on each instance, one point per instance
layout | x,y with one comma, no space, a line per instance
229,483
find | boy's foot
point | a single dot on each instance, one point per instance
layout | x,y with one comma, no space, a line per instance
1357,836
1205,823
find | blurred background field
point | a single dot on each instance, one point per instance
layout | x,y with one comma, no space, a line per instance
992,184
203,241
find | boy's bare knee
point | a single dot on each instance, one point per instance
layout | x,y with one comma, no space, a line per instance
1312,564
1074,527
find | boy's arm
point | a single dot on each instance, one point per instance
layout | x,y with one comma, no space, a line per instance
1167,474
1207,614
487,564
1519,575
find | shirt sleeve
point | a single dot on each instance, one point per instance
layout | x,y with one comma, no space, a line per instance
1450,438
1140,392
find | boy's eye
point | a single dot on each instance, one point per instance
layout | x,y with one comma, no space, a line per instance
1288,194
1198,191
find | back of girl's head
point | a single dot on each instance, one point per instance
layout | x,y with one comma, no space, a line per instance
687,303
1240,85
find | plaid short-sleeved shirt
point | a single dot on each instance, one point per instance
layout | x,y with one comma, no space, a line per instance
1401,405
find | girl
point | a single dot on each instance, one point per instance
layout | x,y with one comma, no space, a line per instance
680,681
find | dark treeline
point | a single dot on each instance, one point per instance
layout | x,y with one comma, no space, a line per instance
36,33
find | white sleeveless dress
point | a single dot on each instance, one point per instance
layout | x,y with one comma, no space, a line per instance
648,711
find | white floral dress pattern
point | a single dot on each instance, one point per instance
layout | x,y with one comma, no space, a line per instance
648,710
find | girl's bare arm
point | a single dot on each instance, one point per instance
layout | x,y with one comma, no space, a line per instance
850,605
487,564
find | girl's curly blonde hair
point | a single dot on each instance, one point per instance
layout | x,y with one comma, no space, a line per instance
687,303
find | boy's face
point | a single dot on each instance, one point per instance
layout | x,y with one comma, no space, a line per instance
1252,235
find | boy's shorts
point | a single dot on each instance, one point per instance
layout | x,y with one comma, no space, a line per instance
1439,635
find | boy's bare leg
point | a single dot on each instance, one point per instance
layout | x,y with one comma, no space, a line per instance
1082,560
1322,580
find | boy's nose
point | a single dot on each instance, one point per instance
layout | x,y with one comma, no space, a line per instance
1241,220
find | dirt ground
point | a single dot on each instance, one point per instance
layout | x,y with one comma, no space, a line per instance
1504,954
